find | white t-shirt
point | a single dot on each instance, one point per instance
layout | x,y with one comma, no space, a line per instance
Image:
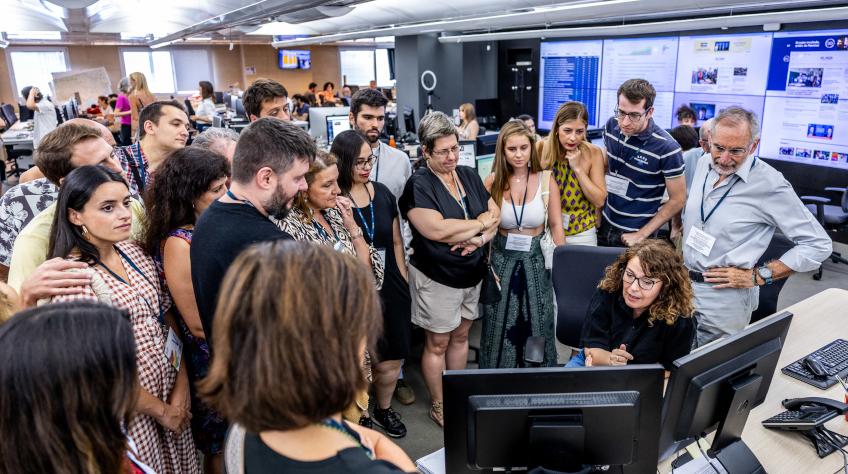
206,109
44,120
392,168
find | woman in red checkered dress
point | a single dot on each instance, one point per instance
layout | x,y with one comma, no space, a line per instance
92,224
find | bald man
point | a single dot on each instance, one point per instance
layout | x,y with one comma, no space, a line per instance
74,144
34,173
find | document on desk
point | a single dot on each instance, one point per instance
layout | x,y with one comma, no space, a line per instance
433,463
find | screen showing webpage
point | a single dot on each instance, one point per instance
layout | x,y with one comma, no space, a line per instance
569,70
723,64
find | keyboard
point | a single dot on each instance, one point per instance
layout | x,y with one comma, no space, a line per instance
799,420
833,356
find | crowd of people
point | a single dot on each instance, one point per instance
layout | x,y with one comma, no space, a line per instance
254,283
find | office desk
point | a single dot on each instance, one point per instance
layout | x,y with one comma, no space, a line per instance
817,320
18,134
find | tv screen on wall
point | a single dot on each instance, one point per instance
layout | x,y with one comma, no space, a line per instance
295,59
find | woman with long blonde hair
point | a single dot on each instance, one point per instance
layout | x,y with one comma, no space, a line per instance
529,199
578,168
140,96
468,126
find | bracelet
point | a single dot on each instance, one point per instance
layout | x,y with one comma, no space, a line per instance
482,240
482,226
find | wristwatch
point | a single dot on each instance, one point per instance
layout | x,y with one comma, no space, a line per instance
765,273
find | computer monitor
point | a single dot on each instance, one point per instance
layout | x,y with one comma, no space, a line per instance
488,113
318,120
717,386
239,108
336,124
226,99
24,114
487,143
409,120
467,153
219,97
9,115
556,418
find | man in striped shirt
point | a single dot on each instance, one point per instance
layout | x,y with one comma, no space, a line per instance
643,161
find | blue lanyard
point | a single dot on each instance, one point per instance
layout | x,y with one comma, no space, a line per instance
518,219
138,270
369,230
243,201
323,233
729,188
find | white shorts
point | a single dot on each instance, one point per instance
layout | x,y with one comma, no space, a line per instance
439,308
587,237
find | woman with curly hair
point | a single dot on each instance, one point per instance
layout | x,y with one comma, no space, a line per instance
184,186
641,312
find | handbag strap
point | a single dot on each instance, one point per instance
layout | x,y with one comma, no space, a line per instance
546,193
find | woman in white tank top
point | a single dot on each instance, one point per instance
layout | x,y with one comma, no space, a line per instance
525,309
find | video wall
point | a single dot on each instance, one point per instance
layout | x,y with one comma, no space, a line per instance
796,82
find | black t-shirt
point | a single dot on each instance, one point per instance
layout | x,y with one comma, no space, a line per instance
221,233
260,459
427,191
609,323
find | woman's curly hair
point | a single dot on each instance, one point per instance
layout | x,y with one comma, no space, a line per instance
659,260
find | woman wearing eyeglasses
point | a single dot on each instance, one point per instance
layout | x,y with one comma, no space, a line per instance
375,211
452,217
641,312
578,168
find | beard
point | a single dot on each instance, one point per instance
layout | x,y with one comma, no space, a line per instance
279,205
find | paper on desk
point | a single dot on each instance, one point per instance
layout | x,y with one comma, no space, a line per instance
433,463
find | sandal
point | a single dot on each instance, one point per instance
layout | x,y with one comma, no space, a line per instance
437,414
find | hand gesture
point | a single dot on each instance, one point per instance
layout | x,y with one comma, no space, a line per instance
344,206
175,418
620,356
576,160
631,238
729,277
51,278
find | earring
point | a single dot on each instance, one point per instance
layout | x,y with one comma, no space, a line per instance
84,232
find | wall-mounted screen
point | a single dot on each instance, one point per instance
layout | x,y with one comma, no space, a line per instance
295,58
569,70
723,64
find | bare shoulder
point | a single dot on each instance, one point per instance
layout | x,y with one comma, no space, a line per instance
488,181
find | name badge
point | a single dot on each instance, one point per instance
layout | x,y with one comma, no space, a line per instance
518,242
174,349
617,185
566,221
701,241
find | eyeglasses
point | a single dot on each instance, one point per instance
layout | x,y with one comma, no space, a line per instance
454,150
645,283
369,163
633,116
734,152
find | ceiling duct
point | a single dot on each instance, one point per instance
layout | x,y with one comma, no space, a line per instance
311,14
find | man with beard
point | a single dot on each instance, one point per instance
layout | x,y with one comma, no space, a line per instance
269,164
368,116
44,118
735,205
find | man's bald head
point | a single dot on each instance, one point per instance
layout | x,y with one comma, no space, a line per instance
104,131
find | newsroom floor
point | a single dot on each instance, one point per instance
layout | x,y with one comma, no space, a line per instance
424,436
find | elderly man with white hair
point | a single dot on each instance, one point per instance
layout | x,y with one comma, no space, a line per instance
220,140
734,207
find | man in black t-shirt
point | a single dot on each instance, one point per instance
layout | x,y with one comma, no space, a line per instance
269,165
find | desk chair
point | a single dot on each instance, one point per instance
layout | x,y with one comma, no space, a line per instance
778,246
832,218
577,269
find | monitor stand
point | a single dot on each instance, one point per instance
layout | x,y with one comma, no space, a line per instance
728,447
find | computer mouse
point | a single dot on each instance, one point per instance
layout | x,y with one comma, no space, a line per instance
816,368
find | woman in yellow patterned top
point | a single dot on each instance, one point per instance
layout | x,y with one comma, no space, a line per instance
578,168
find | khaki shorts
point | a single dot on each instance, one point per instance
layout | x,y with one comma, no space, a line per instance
439,308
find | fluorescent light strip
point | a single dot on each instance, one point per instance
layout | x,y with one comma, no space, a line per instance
795,16
441,24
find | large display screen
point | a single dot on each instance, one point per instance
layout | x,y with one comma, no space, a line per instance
569,70
796,82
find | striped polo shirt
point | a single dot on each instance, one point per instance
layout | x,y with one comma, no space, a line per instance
646,161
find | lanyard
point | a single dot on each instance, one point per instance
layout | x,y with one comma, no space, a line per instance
323,233
519,219
341,428
369,230
729,188
138,270
461,199
243,201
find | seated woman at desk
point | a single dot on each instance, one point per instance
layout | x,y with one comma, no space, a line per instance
468,126
205,111
641,312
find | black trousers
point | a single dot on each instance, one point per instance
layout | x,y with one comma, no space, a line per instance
610,235
126,135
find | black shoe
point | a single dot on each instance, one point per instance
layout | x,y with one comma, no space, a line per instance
366,421
389,421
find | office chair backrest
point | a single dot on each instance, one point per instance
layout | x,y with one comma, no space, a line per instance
189,108
577,269
24,113
779,245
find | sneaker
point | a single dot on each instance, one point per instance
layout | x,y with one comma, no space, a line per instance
389,421
366,421
404,393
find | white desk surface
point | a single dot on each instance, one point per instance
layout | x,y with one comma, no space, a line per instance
10,137
817,321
